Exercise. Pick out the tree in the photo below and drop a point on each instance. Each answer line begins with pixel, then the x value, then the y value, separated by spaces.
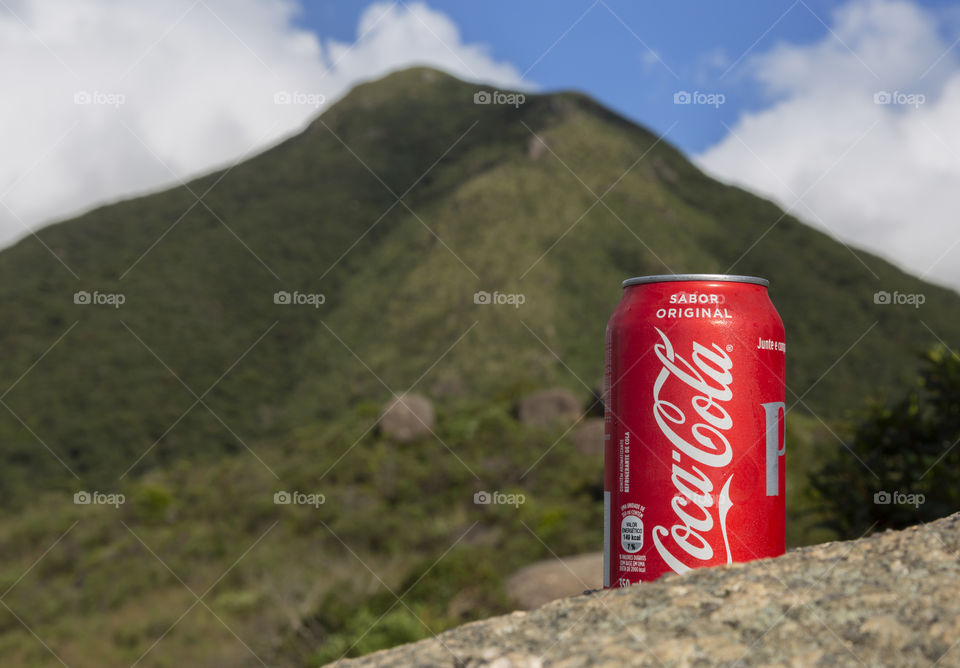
pixel 909 458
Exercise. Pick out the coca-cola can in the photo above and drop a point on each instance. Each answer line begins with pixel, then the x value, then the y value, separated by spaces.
pixel 694 400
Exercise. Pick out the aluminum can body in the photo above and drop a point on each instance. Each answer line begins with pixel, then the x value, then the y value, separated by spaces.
pixel 694 397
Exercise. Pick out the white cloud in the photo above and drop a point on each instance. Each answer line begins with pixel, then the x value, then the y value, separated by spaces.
pixel 881 176
pixel 180 86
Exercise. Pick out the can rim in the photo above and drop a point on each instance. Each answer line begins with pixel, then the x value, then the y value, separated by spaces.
pixel 668 278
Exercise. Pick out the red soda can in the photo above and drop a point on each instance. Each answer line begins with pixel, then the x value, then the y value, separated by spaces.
pixel 694 401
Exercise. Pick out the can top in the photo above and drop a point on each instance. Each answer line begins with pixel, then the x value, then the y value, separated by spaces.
pixel 665 278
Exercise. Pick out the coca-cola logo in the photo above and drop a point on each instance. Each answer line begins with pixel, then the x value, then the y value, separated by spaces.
pixel 698 443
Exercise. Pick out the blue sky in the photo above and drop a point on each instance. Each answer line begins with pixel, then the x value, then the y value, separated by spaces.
pixel 698 43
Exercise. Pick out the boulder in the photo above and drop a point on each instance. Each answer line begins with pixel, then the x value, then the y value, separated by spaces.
pixel 535 148
pixel 588 436
pixel 549 407
pixel 407 417
pixel 550 579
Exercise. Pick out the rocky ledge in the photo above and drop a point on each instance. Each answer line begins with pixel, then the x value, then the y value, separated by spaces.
pixel 890 599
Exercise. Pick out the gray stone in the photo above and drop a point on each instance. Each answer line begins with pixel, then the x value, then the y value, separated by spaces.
pixel 550 579
pixel 890 599
pixel 549 407
pixel 535 148
pixel 407 417
pixel 587 437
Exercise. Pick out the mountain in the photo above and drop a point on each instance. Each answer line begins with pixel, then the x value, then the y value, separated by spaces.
pixel 198 398
pixel 485 206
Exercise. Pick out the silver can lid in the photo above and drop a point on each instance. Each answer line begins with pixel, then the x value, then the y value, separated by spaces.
pixel 666 278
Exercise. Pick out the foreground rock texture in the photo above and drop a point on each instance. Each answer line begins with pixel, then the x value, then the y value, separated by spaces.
pixel 891 599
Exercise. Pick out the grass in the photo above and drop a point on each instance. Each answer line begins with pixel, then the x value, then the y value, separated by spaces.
pixel 302 585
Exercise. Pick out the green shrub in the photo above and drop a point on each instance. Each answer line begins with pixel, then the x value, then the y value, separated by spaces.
pixel 901 466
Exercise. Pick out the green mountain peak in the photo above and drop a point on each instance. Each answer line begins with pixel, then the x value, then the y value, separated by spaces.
pixel 398 205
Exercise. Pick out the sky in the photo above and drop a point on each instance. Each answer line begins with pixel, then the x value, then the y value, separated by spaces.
pixel 844 113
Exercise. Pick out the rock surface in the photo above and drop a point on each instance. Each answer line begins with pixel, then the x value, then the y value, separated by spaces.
pixel 891 599
pixel 549 407
pixel 407 417
pixel 551 579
